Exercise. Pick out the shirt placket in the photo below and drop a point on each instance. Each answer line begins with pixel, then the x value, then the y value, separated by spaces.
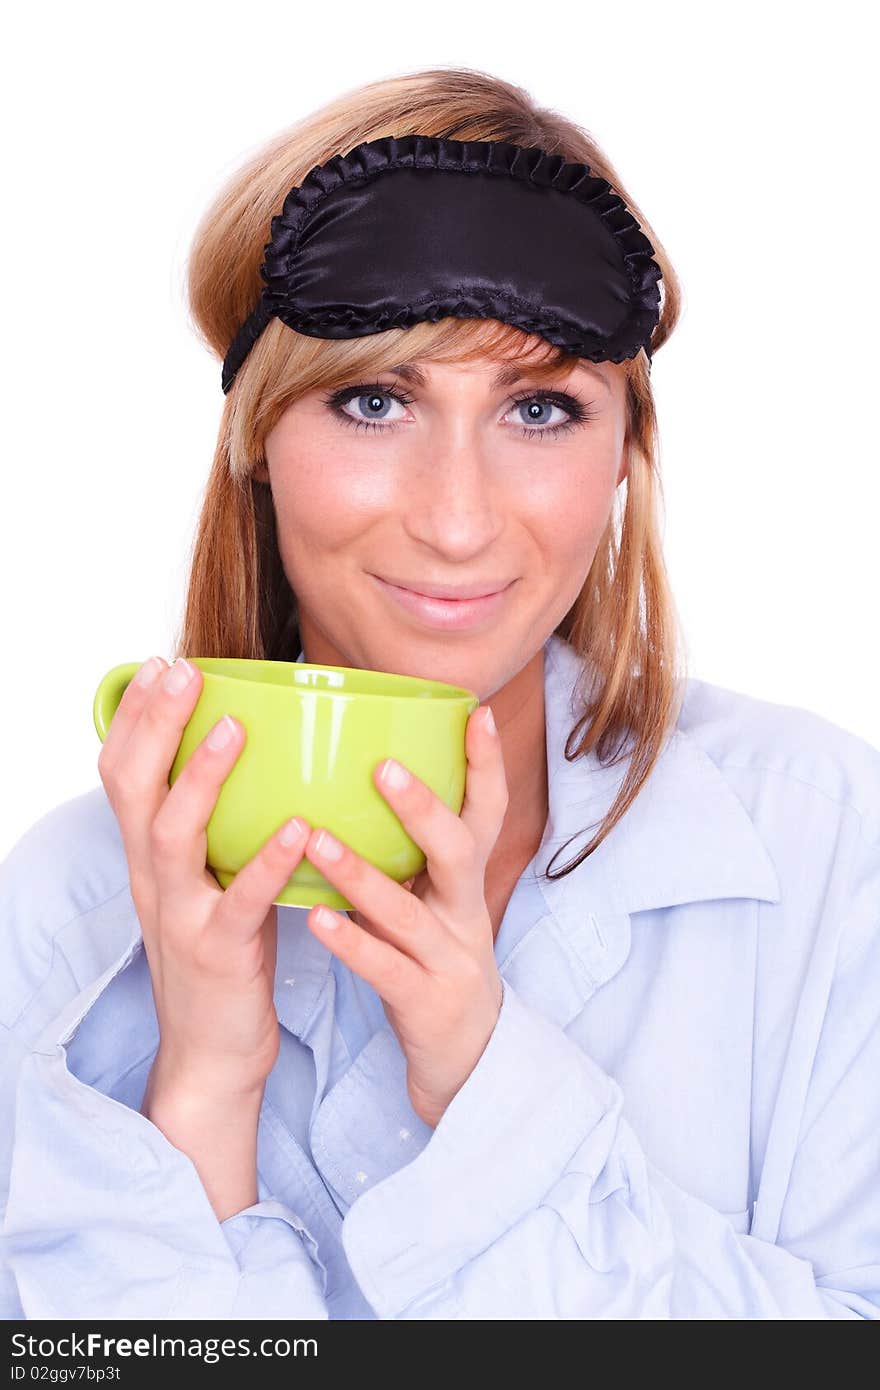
pixel 365 1128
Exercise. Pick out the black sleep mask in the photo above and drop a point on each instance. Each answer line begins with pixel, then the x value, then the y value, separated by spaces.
pixel 400 230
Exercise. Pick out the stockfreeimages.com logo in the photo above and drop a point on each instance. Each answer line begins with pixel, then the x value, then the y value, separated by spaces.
pixel 208 1349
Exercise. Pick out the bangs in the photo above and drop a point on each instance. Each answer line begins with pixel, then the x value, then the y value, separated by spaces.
pixel 286 364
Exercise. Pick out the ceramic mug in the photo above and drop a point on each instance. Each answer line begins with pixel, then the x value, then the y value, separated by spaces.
pixel 314 734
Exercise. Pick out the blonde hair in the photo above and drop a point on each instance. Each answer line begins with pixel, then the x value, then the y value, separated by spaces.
pixel 623 623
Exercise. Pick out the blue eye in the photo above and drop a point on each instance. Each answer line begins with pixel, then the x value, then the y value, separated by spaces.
pixel 539 413
pixel 375 406
pixel 369 397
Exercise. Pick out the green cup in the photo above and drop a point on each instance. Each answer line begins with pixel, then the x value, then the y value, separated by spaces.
pixel 314 734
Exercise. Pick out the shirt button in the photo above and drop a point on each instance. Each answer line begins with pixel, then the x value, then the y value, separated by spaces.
pixel 360 1177
pixel 291 980
pixel 404 1134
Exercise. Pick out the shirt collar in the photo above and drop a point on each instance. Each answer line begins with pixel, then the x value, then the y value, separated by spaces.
pixel 686 838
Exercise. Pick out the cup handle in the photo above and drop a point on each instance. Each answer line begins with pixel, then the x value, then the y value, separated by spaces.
pixel 109 693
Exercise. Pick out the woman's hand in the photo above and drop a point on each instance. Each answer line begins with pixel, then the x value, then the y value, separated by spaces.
pixel 211 952
pixel 430 952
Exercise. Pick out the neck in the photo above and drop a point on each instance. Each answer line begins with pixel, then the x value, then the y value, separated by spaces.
pixel 519 714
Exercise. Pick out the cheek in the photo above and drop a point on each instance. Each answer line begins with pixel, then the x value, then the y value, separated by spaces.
pixel 323 502
pixel 567 509
pixel 329 482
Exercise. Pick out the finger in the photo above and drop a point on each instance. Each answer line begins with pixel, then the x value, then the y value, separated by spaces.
pixel 247 902
pixel 399 915
pixel 178 835
pixel 393 974
pixel 365 922
pixel 138 783
pixel 134 698
pixel 456 860
pixel 486 792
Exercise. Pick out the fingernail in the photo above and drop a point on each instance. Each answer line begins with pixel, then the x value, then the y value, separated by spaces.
pixel 325 918
pixel 222 733
pixel 393 775
pixel 328 847
pixel 294 830
pixel 149 671
pixel 489 721
pixel 178 676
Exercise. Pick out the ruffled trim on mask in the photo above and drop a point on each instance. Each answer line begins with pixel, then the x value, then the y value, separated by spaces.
pixel 373 157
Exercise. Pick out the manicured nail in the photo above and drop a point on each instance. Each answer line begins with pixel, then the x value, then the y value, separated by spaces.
pixel 489 721
pixel 178 676
pixel 327 847
pixel 294 830
pixel 149 671
pixel 325 918
pixel 393 775
pixel 222 733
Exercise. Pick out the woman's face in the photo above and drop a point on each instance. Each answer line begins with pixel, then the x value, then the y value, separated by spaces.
pixel 445 475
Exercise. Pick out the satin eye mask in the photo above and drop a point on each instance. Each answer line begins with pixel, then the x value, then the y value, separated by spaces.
pixel 403 230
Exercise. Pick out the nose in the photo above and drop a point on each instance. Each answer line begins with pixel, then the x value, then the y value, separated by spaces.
pixel 453 498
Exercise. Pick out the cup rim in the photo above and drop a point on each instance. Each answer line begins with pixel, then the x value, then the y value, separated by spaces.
pixel 435 689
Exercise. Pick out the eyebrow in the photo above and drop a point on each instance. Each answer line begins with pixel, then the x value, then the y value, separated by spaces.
pixel 505 377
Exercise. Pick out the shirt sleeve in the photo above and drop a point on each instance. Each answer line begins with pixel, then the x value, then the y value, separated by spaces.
pixel 534 1198
pixel 267 1240
pixel 106 1218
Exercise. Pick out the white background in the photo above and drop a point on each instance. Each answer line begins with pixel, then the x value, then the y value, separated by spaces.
pixel 746 134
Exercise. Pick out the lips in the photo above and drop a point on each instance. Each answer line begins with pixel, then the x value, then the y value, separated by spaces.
pixel 450 615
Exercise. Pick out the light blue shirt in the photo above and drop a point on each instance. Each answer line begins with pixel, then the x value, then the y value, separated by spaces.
pixel 677 1115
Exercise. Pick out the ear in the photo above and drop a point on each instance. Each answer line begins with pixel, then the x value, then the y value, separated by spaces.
pixel 261 473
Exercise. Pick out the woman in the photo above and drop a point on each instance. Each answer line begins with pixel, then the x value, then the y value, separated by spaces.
pixel 642 1084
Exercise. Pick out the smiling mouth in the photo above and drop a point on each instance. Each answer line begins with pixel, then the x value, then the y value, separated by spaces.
pixel 445 614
